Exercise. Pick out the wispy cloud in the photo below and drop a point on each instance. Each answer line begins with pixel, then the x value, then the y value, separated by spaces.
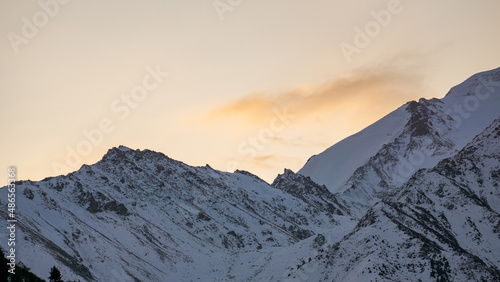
pixel 360 96
pixel 273 162
pixel 300 141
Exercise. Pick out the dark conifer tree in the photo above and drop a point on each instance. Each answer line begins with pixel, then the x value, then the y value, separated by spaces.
pixel 55 275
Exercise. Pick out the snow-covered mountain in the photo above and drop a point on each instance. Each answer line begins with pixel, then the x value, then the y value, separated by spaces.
pixel 142 215
pixel 367 165
pixel 442 225
pixel 414 196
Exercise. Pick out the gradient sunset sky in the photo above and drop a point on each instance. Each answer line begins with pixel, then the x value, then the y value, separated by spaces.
pixel 255 85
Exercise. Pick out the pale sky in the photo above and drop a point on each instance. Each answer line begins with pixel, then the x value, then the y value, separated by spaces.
pixel 255 85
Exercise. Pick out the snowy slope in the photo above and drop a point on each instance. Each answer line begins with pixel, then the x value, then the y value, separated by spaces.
pixel 366 167
pixel 335 165
pixel 444 225
pixel 143 216
pixel 457 118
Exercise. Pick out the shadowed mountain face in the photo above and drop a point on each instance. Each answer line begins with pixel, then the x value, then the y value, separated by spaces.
pixel 414 196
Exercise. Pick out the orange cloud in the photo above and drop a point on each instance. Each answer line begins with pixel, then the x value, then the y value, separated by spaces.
pixel 301 141
pixel 361 96
pixel 272 162
pixel 246 107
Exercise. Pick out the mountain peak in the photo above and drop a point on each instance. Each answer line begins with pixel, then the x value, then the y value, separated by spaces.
pixel 117 153
pixel 416 135
pixel 123 154
pixel 477 83
pixel 123 148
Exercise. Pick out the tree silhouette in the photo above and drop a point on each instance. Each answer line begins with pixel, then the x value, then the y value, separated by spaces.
pixel 55 275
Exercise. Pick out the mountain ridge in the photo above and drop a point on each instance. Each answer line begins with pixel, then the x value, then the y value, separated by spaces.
pixel 426 132
pixel 439 226
pixel 420 201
